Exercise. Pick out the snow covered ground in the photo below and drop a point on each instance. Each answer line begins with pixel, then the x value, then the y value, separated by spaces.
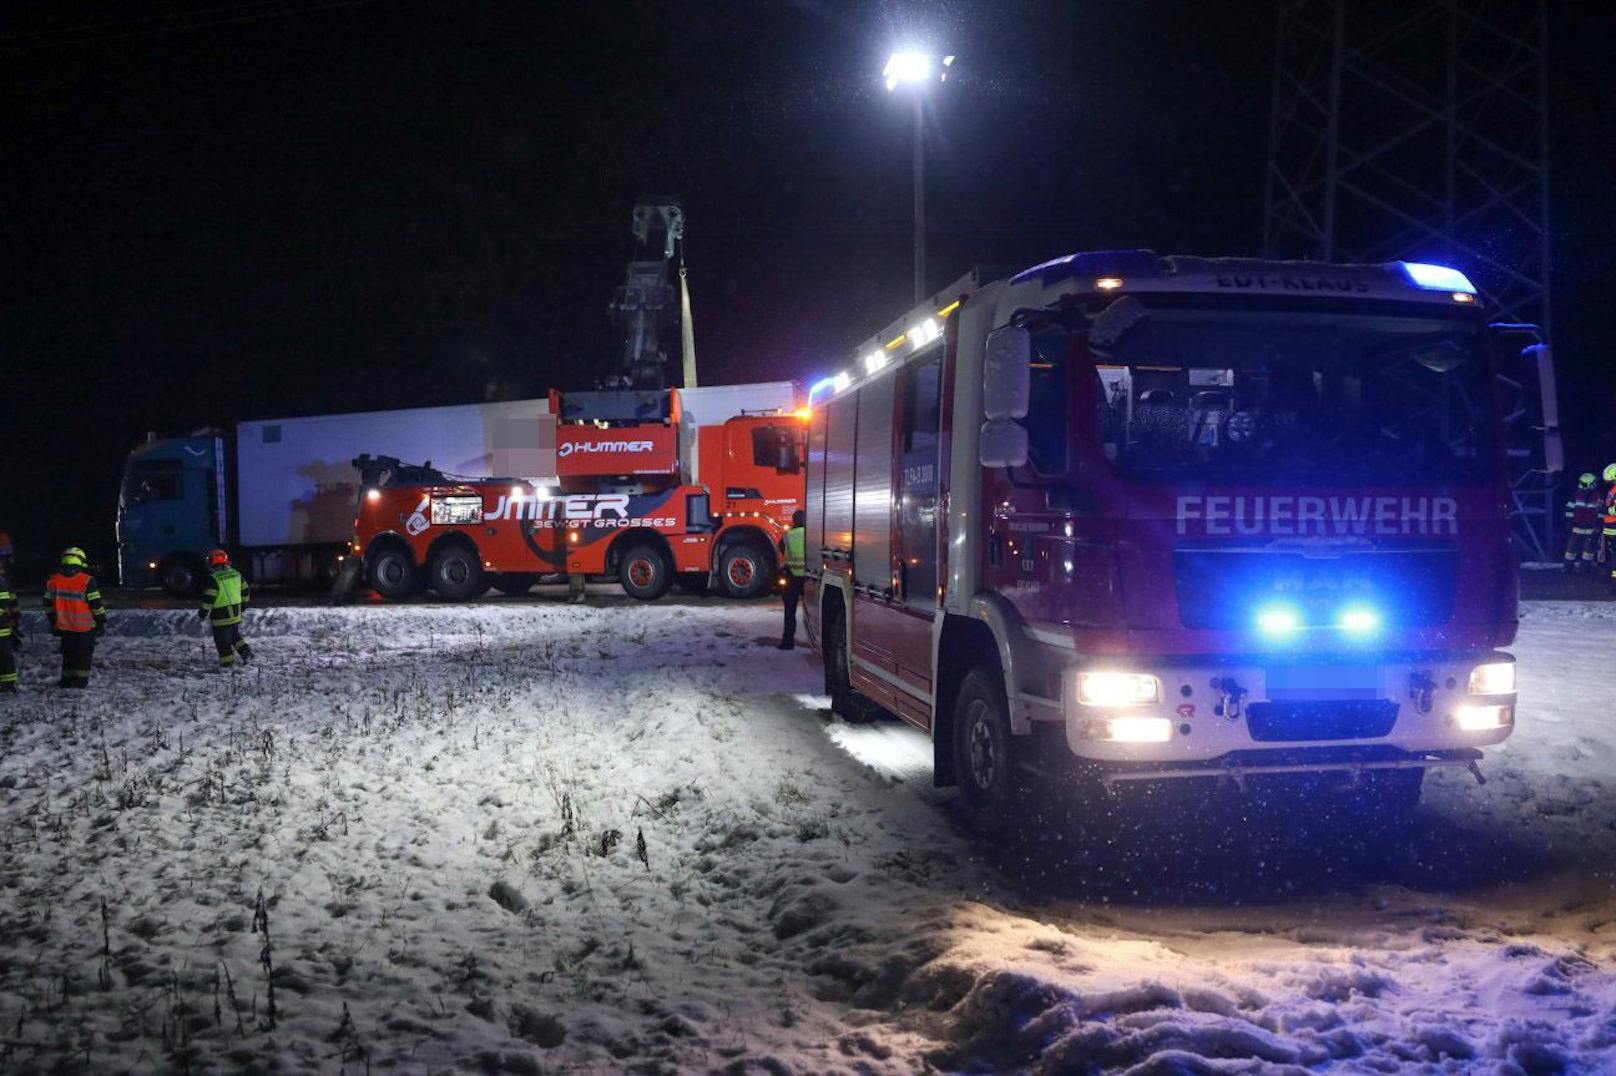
pixel 525 838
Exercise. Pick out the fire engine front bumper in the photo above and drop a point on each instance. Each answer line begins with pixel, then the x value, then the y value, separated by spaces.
pixel 1172 719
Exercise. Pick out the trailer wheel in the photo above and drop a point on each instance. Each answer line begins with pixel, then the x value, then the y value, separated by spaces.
pixel 746 570
pixel 645 572
pixel 984 751
pixel 392 573
pixel 456 574
pixel 181 576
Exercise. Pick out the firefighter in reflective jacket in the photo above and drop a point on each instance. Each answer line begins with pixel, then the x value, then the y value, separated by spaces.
pixel 1607 531
pixel 792 545
pixel 223 600
pixel 1583 512
pixel 73 607
pixel 10 638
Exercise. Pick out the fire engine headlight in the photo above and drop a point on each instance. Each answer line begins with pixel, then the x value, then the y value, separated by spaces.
pixel 1117 688
pixel 1129 729
pixel 1493 678
pixel 1483 718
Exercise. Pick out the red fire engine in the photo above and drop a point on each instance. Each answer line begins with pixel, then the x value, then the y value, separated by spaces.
pixel 632 501
pixel 1163 518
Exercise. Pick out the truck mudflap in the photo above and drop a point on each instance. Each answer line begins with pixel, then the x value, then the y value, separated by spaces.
pixel 1238 767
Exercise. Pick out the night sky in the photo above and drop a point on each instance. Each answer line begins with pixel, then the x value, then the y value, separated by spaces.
pixel 313 206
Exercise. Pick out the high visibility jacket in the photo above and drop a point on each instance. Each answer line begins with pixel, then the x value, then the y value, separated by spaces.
pixel 1583 510
pixel 793 544
pixel 225 597
pixel 1610 511
pixel 73 602
pixel 9 617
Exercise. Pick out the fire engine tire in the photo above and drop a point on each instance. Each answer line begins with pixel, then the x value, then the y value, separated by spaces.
pixel 514 584
pixel 456 575
pixel 844 701
pixel 645 572
pixel 984 750
pixel 180 576
pixel 393 575
pixel 746 570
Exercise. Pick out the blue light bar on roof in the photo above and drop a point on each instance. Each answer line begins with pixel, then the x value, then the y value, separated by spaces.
pixel 823 385
pixel 1437 277
pixel 1097 263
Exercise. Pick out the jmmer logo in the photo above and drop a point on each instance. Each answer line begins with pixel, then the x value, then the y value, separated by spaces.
pixel 591 448
pixel 574 507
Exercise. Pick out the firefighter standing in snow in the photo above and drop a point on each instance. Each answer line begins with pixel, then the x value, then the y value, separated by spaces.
pixel 10 639
pixel 1583 512
pixel 792 545
pixel 73 607
pixel 223 600
pixel 1607 531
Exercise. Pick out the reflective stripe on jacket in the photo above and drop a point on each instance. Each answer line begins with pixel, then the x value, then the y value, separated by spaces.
pixel 8 612
pixel 73 602
pixel 793 544
pixel 224 597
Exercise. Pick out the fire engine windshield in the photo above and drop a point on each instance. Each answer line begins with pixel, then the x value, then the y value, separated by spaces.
pixel 1261 396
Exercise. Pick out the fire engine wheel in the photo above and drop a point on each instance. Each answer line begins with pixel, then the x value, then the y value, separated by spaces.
pixel 844 701
pixel 392 574
pixel 745 570
pixel 984 755
pixel 456 575
pixel 645 572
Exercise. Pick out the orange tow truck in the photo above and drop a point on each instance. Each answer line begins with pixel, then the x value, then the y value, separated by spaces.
pixel 642 502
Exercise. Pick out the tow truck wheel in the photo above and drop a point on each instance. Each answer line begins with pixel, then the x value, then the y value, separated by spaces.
pixel 456 575
pixel 745 570
pixel 392 574
pixel 645 572
pixel 983 749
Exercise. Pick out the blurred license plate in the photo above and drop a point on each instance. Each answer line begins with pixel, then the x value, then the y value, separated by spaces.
pixel 1324 682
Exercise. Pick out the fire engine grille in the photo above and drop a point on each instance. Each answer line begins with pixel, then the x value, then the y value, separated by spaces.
pixel 1278 722
pixel 1408 587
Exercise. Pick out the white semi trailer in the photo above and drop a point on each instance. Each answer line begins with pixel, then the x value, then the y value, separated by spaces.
pixel 280 494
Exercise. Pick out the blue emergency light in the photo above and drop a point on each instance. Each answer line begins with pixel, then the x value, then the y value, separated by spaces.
pixel 1278 621
pixel 1358 620
pixel 1437 277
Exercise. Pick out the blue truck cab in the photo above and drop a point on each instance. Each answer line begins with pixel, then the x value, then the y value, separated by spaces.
pixel 171 511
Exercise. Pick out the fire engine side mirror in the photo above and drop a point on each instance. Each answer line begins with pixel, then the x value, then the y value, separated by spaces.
pixel 1007 374
pixel 1002 442
pixel 1553 446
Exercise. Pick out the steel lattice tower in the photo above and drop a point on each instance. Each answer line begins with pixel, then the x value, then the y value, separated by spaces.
pixel 1418 129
